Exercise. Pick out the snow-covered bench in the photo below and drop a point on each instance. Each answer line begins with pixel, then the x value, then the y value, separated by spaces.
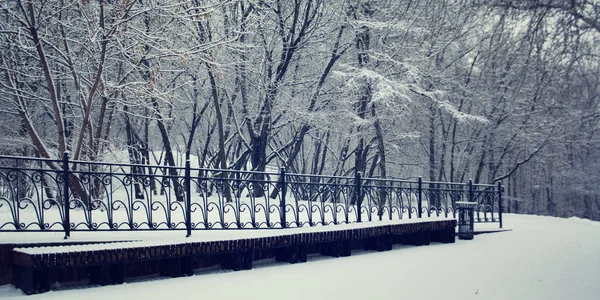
pixel 37 268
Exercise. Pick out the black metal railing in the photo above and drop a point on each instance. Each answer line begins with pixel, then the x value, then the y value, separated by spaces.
pixel 63 195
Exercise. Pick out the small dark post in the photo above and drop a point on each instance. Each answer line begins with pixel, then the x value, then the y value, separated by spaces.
pixel 420 197
pixel 283 192
pixel 358 193
pixel 67 218
pixel 188 198
pixel 500 202
pixel 465 219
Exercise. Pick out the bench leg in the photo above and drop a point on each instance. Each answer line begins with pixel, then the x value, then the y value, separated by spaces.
pixel 248 258
pixel 302 253
pixel 41 281
pixel 445 236
pixel 435 236
pixel 237 261
pixel 329 249
pixel 23 279
pixel 346 248
pixel 342 248
pixel 449 236
pixel 380 243
pixel 187 265
pixel 425 238
pixel 417 239
pixel 117 273
pixel 292 254
pixel 171 267
pixel 100 275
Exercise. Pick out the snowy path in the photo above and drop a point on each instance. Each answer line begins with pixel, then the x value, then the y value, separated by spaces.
pixel 542 258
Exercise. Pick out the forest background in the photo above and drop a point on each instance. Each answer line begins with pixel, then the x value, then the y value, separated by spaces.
pixel 450 90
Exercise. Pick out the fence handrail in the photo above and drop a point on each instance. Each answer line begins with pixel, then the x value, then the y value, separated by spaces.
pixel 217 170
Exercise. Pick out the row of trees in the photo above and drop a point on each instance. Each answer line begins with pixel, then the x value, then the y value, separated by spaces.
pixel 451 89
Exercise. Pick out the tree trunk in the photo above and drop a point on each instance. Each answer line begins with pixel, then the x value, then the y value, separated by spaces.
pixel 220 134
pixel 169 158
pixel 433 196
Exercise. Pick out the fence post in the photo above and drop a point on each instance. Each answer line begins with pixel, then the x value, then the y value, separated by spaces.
pixel 358 193
pixel 188 198
pixel 66 212
pixel 500 202
pixel 283 191
pixel 420 198
pixel 470 190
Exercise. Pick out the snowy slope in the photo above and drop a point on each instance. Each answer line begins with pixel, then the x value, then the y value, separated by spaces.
pixel 542 258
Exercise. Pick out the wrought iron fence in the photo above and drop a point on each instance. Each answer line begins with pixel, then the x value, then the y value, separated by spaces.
pixel 63 195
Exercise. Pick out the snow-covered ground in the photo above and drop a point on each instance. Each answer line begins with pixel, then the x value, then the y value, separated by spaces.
pixel 541 258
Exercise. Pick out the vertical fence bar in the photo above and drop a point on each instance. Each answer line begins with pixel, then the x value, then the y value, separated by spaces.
pixel 16 197
pixel 380 197
pixel 334 201
pixel 130 199
pixel 500 202
pixel 110 199
pixel 420 197
pixel 42 196
pixel 447 193
pixel 283 191
pixel 296 192
pixel 472 197
pixel 358 193
pixel 470 190
pixel 67 216
pixel 188 198
pixel 389 197
pixel 408 198
pixel 203 183
pixel 88 209
pixel 489 196
pixel 321 192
